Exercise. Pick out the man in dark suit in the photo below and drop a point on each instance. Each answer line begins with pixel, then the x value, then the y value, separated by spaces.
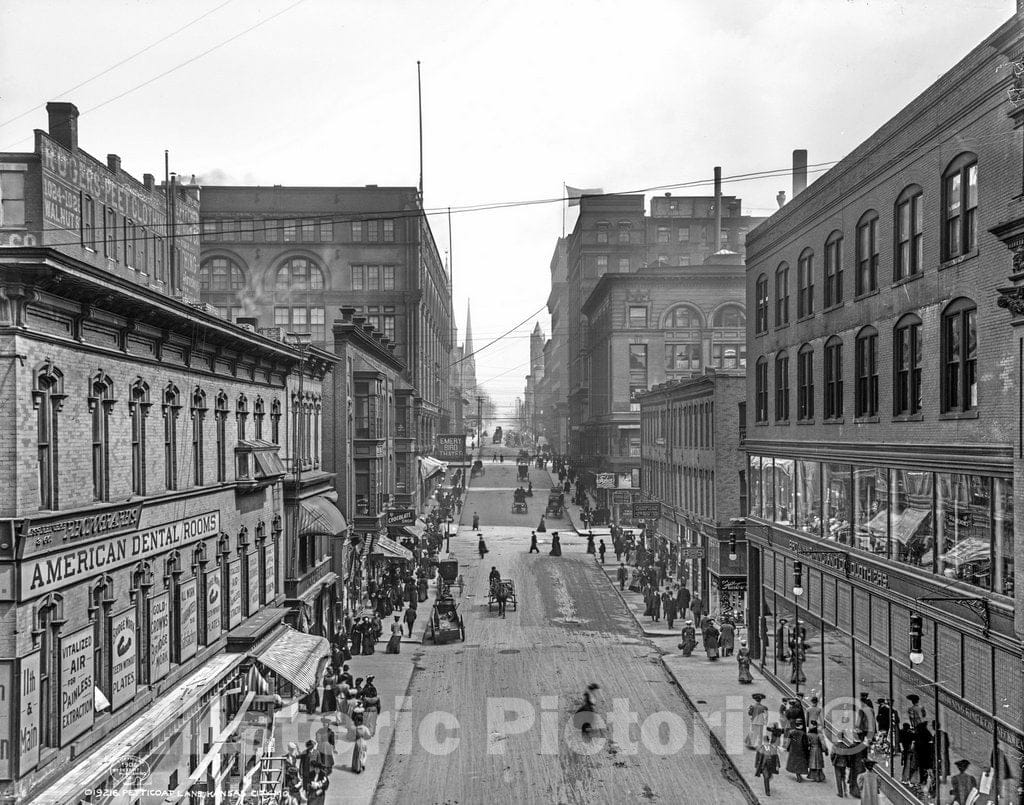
pixel 311 760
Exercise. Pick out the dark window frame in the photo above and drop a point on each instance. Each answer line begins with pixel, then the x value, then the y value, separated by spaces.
pixel 866 373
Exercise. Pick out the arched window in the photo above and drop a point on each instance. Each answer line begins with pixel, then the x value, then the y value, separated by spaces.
pixel 171 408
pixel 867 253
pixel 299 274
pixel 761 389
pixel 48 622
pixel 172 578
pixel 729 316
pixel 198 415
pixel 139 589
pixel 101 403
pixel 221 274
pixel 805 284
pixel 761 305
pixel 782 295
pixel 866 370
pixel 833 270
pixel 242 415
pixel 683 347
pixel 960 206
pixel 221 417
pixel 138 410
pixel 683 317
pixel 960 357
pixel 906 392
pixel 47 398
pixel 805 383
pixel 782 387
pixel 729 338
pixel 259 413
pixel 101 602
pixel 909 228
pixel 833 376
pixel 275 421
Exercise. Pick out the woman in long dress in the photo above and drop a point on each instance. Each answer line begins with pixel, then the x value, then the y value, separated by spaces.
pixel 395 641
pixel 758 721
pixel 743 663
pixel 797 748
pixel 329 702
pixel 816 753
pixel 711 641
pixel 867 780
pixel 556 544
pixel 688 639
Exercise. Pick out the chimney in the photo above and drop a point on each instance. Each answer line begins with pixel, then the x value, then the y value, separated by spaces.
pixel 113 163
pixel 63 123
pixel 799 171
pixel 718 209
pixel 247 321
pixel 148 181
pixel 780 197
pixel 347 313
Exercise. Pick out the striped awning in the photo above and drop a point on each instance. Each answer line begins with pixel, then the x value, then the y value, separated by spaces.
pixel 317 515
pixel 390 549
pixel 298 657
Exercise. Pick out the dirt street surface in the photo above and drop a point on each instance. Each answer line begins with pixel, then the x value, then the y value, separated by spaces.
pixel 459 741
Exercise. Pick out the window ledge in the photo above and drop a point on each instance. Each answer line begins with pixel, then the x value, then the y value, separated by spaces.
pixel 805 422
pixel 866 420
pixel 782 326
pixel 760 333
pixel 960 415
pixel 782 422
pixel 836 421
pixel 830 308
pixel 762 422
pixel 805 317
pixel 865 295
pixel 955 261
pixel 908 418
pixel 907 279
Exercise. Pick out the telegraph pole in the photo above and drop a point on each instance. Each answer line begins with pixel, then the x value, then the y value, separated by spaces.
pixel 480 425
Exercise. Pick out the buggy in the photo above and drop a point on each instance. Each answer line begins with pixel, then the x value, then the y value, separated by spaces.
pixel 524 471
pixel 509 587
pixel 477 469
pixel 445 622
pixel 556 503
pixel 519 502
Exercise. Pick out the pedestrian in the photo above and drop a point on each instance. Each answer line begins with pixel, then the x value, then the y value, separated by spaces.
pixel 371 704
pixel 817 751
pixel 758 715
pixel 617 546
pixel 688 639
pixel 797 747
pixel 766 761
pixel 556 545
pixel 541 528
pixel 668 603
pixel 728 636
pixel 325 742
pixel 476 521
pixel 311 760
pixel 622 574
pixel 395 641
pixel 655 604
pixel 812 713
pixel 682 600
pixel 601 549
pixel 410 618
pixel 533 542
pixel 916 714
pixel 743 664
pixel 481 546
pixel 318 786
pixel 697 606
pixel 840 762
pixel 867 782
pixel 292 772
pixel 711 638
pixel 591 549
pixel 962 784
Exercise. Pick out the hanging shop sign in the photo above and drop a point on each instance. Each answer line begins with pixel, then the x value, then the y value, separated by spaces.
pixel 188 619
pixel 253 570
pixel 77 707
pixel 123 658
pixel 234 593
pixel 28 713
pixel 732 585
pixel 395 518
pixel 621 498
pixel 270 565
pixel 646 509
pixel 45 534
pixel 6 718
pixel 53 571
pixel 159 636
pixel 605 480
pixel 451 447
pixel 214 605
pixel 691 553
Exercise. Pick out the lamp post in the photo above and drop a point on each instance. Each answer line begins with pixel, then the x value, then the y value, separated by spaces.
pixel 798 641
pixel 302 341
pixel 447 534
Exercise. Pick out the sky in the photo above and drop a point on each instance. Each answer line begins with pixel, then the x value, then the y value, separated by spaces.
pixel 519 96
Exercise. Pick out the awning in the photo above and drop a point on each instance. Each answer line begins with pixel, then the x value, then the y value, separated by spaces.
pixel 429 467
pixel 972 549
pixel 391 549
pixel 296 656
pixel 908 523
pixel 317 515
pixel 414 530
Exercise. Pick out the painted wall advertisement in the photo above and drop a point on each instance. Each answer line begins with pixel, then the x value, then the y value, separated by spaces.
pixel 124 658
pixel 270 564
pixel 213 605
pixel 159 636
pixel 188 618
pixel 253 569
pixel 76 684
pixel 28 713
pixel 234 593
pixel 6 718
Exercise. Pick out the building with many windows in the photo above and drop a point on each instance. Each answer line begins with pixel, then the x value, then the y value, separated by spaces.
pixel 291 257
pixel 144 543
pixel 885 419
pixel 555 381
pixel 692 464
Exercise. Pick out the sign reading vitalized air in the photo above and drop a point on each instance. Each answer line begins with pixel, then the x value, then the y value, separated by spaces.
pixel 51 572
pixel 451 447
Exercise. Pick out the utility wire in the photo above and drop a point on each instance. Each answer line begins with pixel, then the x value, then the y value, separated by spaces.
pixel 496 340
pixel 123 61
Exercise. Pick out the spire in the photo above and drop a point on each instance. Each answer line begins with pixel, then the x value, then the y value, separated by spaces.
pixel 468 339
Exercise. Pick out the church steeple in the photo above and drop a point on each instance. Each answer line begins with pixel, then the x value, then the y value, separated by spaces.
pixel 469 362
pixel 468 339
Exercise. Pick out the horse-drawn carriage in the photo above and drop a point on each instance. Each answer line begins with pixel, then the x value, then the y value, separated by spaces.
pixel 523 470
pixel 445 622
pixel 556 502
pixel 477 469
pixel 519 501
pixel 499 588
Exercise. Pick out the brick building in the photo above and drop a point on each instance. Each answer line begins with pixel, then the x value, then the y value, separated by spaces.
pixel 691 462
pixel 884 414
pixel 555 381
pixel 656 324
pixel 292 256
pixel 142 534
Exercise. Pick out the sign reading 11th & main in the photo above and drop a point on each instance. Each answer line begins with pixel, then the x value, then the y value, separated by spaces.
pixel 41 574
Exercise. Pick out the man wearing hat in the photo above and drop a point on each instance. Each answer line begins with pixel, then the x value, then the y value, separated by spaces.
pixel 962 784
pixel 758 714
pixel 766 761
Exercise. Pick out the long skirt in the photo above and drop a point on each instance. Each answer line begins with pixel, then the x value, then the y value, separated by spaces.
pixel 359 756
pixel 394 644
pixel 755 736
pixel 712 652
pixel 745 678
pixel 369 642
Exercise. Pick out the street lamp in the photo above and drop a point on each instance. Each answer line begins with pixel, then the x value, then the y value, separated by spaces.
pixel 302 341
pixel 798 640
pixel 447 534
pixel 732 546
pixel 798 578
pixel 916 630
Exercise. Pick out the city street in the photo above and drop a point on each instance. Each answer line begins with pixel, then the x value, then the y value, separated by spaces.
pixel 570 629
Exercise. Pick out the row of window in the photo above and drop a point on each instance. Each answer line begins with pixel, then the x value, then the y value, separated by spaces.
pixel 958 237
pixel 295 230
pixel 687 317
pixel 958 352
pixel 120 239
pixel 691 489
pixel 48 398
pixel 222 274
pixel 686 425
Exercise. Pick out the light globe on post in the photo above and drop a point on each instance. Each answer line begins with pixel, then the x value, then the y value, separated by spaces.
pixel 732 546
pixel 798 578
pixel 916 655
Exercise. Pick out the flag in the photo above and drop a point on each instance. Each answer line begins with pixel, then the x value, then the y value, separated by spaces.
pixel 574 193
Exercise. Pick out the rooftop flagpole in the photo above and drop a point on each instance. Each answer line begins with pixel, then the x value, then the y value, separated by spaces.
pixel 419 94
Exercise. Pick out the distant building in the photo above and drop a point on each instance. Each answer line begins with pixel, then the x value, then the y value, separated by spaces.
pixel 555 382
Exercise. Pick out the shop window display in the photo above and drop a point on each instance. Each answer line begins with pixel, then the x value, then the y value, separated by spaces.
pixel 837 676
pixel 836 482
pixel 1006 767
pixel 808 497
pixel 872 689
pixel 755 486
pixel 912 530
pixel 963 525
pixel 962 734
pixel 768 485
pixel 871 509
pixel 1002 509
pixel 783 486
